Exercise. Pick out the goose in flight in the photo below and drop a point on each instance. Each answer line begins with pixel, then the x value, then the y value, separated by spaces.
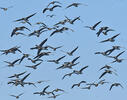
pixel 78 84
pixel 11 50
pixel 115 84
pixel 116 57
pixel 11 64
pixel 71 52
pixel 17 75
pixel 43 92
pixel 53 2
pixel 34 66
pixel 23 57
pixel 112 39
pixel 107 72
pixel 80 71
pixel 94 26
pixel 17 97
pixel 57 60
pixel 14 32
pixel 35 60
pixel 25 19
pixel 101 30
pixel 40 46
pixel 5 9
pixel 51 9
pixel 75 5
pixel 54 48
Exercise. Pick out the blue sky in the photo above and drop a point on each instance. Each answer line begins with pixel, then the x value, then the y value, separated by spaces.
pixel 112 13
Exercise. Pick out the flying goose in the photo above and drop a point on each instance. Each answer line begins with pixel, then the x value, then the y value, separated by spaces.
pixel 26 19
pixel 94 26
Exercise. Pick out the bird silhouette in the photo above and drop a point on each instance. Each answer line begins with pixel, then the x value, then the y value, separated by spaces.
pixel 112 39
pixel 53 2
pixel 25 19
pixel 115 84
pixel 78 84
pixel 17 75
pixel 106 72
pixel 94 26
pixel 14 32
pixel 57 60
pixel 11 64
pixel 43 92
pixel 75 5
pixel 80 71
pixel 71 52
pixel 34 66
pixel 51 9
pixel 5 9
pixel 17 97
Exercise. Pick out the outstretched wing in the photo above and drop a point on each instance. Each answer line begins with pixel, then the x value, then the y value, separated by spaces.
pixel 44 10
pixel 99 32
pixel 115 36
pixel 46 88
pixel 13 95
pixel 55 6
pixel 20 94
pixel 60 58
pixel 69 6
pixel 69 74
pixel 42 43
pixel 74 50
pixel 30 16
pixel 83 68
pixel 25 77
pixel 120 53
pixel 102 75
pixel 104 40
pixel 97 24
pixel 111 87
pixel 74 85
pixel 75 59
pixel 15 61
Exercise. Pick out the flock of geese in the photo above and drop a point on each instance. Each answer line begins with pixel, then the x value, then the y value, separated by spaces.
pixel 42 49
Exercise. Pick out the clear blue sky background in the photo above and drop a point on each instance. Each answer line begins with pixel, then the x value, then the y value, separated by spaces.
pixel 112 13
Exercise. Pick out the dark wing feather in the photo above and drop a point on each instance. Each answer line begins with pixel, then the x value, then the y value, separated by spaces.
pixel 55 6
pixel 45 10
pixel 20 94
pixel 120 53
pixel 97 24
pixel 54 32
pixel 42 43
pixel 75 59
pixel 25 77
pixel 30 16
pixel 115 36
pixel 74 85
pixel 38 64
pixel 104 40
pixel 83 68
pixel 99 32
pixel 19 20
pixel 111 87
pixel 21 59
pixel 46 88
pixel 22 73
pixel 15 61
pixel 74 50
pixel 102 75
pixel 60 58
pixel 69 6
pixel 60 67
